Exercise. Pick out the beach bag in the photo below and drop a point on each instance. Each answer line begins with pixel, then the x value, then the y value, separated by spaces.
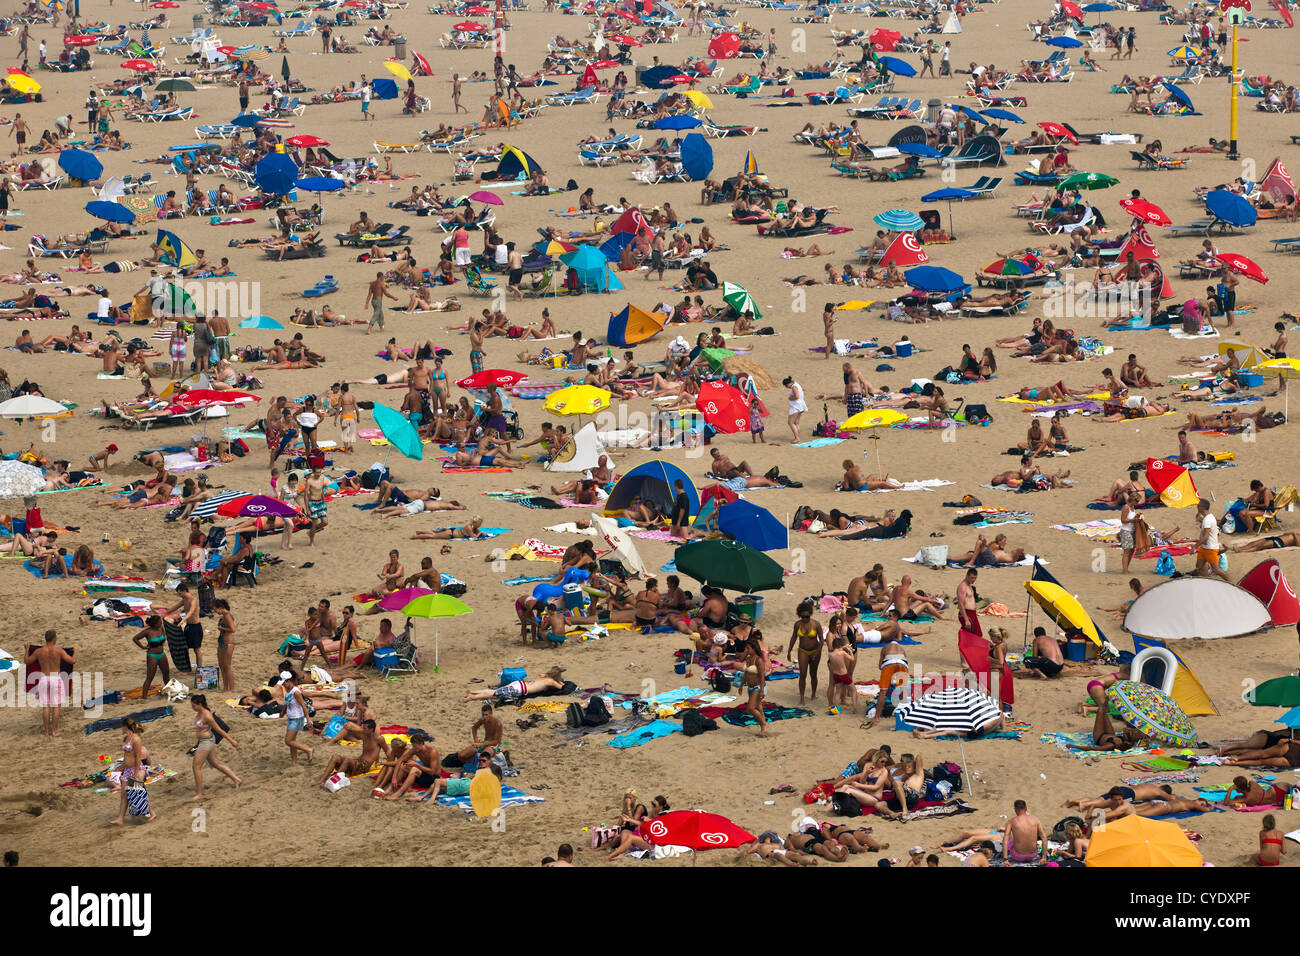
pixel 515 331
pixel 846 805
pixel 819 792
pixel 137 799
pixel 206 676
pixel 949 773
pixel 602 835
pixel 1058 832
pixel 573 715
pixel 720 681
pixel 1164 564
pixel 597 713
pixel 978 414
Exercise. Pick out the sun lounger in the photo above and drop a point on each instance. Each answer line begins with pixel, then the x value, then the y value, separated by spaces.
pixel 1197 225
pixel 1147 161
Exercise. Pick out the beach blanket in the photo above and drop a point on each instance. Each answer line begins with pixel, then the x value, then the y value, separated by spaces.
pixel 529 499
pixel 1168 776
pixel 33 567
pixel 924 484
pixel 929 809
pixel 97 483
pixel 819 442
pixel 510 797
pixel 959 564
pixel 641 735
pixel 531 579
pixel 1160 764
pixel 738 716
pixel 1068 742
pixel 452 469
pixel 140 717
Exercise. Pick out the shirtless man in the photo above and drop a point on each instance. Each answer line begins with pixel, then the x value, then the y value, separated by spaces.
pixel 315 507
pixel 840 661
pixel 517 690
pixel 1133 374
pixel 420 767
pixel 493 733
pixel 371 745
pixel 723 467
pixel 376 292
pixel 186 614
pixel 906 600
pixel 966 598
pixel 908 783
pixel 1115 797
pixel 1046 661
pixel 1023 836
pixel 427 577
pixel 50 689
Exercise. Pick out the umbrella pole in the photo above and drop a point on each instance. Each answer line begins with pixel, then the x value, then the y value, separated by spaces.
pixel 961 743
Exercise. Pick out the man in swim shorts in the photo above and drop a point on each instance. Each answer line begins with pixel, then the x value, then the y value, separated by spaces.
pixel 1024 835
pixel 51 693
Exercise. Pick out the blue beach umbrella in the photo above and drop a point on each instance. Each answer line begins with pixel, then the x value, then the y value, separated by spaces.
pixel 246 120
pixel 697 156
pixel 1002 114
pixel 319 185
pixel 80 164
pixel 1232 208
pixel 754 526
pixel 900 67
pixel 1178 93
pixel 110 211
pixel 948 194
pixel 657 77
pixel 260 322
pixel 275 173
pixel 680 121
pixel 399 431
pixel 973 114
pixel 898 220
pixel 613 246
pixel 919 149
pixel 1065 43
pixel 1099 8
pixel 934 279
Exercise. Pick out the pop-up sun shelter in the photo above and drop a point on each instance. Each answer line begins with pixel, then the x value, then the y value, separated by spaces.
pixel 1268 583
pixel 634 325
pixel 653 481
pixel 1195 607
pixel 1160 666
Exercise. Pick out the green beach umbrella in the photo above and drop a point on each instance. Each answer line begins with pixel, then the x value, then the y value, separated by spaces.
pixel 715 357
pixel 436 606
pixel 1278 692
pixel 399 431
pixel 175 84
pixel 729 565
pixel 1088 181
pixel 284 69
pixel 739 299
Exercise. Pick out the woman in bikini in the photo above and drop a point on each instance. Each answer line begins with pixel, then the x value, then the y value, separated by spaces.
pixel 468 532
pixel 205 751
pixel 868 786
pixel 810 638
pixel 225 642
pixel 132 764
pixel 1104 737
pixel 755 677
pixel 1271 844
pixel 153 642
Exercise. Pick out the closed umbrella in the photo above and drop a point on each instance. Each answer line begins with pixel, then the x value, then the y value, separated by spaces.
pixel 20 480
pixel 1135 841
pixel 725 407
pixel 80 164
pixel 285 72
pixel 110 211
pixel 1152 712
pixel 757 527
pixel 729 565
pixel 697 156
pixel 898 220
pixel 738 297
pixel 399 431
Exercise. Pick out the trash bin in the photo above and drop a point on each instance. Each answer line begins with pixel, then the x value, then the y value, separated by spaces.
pixel 932 109
pixel 399 48
pixel 198 22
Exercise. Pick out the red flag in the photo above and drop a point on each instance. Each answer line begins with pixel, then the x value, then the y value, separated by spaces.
pixel 904 251
pixel 1277 182
pixel 1139 242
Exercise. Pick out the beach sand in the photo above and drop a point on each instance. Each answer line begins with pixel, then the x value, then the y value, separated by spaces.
pixel 277 816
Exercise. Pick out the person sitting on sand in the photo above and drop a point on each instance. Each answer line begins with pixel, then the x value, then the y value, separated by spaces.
pixel 1104 737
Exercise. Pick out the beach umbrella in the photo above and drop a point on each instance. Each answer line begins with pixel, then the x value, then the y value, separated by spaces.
pixel 502 378
pixel 627 15
pixel 681 79
pixel 436 606
pixel 246 120
pixel 624 40
pixel 285 73
pixel 757 527
pixel 934 279
pixel 398 70
pixel 924 150
pixel 81 39
pixel 260 322
pixel 469 26
pixel 177 302
pixel 1230 207
pixel 874 419
pixel 20 480
pixel 898 220
pixel 484 196
pixel 1063 608
pixel 396 600
pixel 697 156
pixel 965 110
pixel 1291 719
pixel 1002 114
pixel 307 139
pixel 1152 712
pixel 678 121
pixel 80 164
pixel 1071 9
pixel 738 297
pixel 1008 266
pixel 1243 266
pixel 578 399
pixel 275 173
pixel 884 41
pixel 724 46
pixel 31 406
pixel 948 194
pixel 699 100
pixel 1099 8
pixel 658 77
pixel 555 247
pixel 140 66
pixel 1185 52
pixel 613 246
pixel 399 431
pixel 257 506
pixel 202 397
pixel 695 830
pixel 729 565
pixel 1065 43
pixel 1087 181
pixel 1179 95
pixel 1277 692
pixel 20 82
pixel 175 84
pixel 1136 841
pixel 319 185
pixel 894 65
pixel 110 211
pixel 1059 131
pixel 960 709
pixel 1147 211
pixel 725 407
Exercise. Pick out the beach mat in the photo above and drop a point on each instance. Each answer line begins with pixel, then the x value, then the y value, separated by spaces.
pixel 141 717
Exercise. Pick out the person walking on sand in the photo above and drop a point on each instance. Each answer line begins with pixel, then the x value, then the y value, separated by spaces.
pixel 455 95
pixel 295 713
pixel 797 405
pixel 828 327
pixel 205 751
pixel 132 765
pixel 755 678
pixel 376 292
pixel 51 691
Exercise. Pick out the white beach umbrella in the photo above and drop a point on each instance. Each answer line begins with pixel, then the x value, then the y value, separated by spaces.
pixel 20 480
pixel 30 406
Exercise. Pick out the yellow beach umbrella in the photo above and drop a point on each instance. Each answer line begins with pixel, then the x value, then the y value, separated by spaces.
pixel 22 83
pixel 1247 355
pixel 399 71
pixel 1288 367
pixel 874 418
pixel 854 305
pixel 699 100
pixel 1063 607
pixel 1136 841
pixel 577 400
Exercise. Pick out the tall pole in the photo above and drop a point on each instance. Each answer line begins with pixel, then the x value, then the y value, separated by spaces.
pixel 1232 102
pixel 499 33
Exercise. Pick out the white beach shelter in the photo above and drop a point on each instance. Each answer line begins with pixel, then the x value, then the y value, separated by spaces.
pixel 952 24
pixel 623 548
pixel 581 452
pixel 1196 607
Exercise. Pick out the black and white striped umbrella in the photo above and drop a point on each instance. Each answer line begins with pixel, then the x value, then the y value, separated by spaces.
pixel 206 509
pixel 956 708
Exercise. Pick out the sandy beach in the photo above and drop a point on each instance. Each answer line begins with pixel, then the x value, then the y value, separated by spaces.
pixel 277 814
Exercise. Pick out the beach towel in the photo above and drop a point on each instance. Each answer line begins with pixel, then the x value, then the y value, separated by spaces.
pixel 533 579
pixel 667 698
pixel 819 442
pixel 177 646
pixel 738 716
pixel 641 735
pixel 1168 776
pixel 141 717
pixel 1067 742
pixel 510 797
pixel 33 567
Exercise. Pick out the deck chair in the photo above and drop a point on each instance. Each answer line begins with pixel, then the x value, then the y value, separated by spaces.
pixel 544 285
pixel 245 571
pixel 477 284
pixel 985 186
pixel 403 660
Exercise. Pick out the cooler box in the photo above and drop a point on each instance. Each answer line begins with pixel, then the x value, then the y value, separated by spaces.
pixel 903 349
pixel 751 604
pixel 1250 379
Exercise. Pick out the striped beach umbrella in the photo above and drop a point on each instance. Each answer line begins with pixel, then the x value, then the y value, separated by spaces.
pixel 898 220
pixel 958 709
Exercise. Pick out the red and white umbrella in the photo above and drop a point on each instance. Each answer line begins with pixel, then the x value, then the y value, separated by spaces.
pixel 83 39
pixel 163 5
pixel 681 79
pixel 626 15
pixel 1243 266
pixel 477 10
pixel 1072 9
pixel 724 46
pixel 605 64
pixel 725 407
pixel 203 397
pixel 469 26
pixel 623 39
pixel 492 376
pixel 696 830
pixel 227 50
pixel 139 66
pixel 884 41
pixel 1144 209
pixel 1059 131
pixel 306 139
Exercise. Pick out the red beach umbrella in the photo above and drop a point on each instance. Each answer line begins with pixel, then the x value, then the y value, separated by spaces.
pixel 306 139
pixel 492 376
pixel 725 407
pixel 1145 210
pixel 1059 131
pixel 1243 266
pixel 724 46
pixel 695 829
